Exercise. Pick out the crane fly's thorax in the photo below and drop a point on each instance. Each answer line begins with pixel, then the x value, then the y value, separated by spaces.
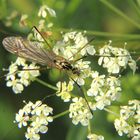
pixel 62 63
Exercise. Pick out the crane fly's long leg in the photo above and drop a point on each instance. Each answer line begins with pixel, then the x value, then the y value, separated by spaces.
pixel 34 27
pixel 83 95
pixel 60 81
pixel 44 68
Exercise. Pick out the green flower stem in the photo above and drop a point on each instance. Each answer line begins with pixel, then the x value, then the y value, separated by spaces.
pixel 89 127
pixel 45 84
pixel 105 34
pixel 120 13
pixel 109 111
pixel 85 92
pixel 61 114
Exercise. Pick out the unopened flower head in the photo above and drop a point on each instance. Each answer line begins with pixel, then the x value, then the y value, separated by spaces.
pixel 23 20
pixel 17 79
pixel 79 111
pixel 64 90
pixel 129 121
pixel 35 117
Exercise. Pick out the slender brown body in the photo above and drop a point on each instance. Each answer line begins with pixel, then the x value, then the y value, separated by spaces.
pixel 35 52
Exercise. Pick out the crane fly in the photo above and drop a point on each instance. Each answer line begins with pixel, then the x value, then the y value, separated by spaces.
pixel 35 52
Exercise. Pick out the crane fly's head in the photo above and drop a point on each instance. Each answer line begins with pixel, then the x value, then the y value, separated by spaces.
pixel 76 71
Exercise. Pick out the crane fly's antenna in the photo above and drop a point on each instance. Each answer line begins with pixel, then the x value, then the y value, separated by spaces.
pixel 82 48
pixel 80 58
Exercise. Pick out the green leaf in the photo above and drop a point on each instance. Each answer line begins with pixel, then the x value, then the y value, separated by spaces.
pixel 8 129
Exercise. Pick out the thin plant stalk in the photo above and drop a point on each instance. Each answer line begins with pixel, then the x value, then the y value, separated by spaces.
pixel 120 13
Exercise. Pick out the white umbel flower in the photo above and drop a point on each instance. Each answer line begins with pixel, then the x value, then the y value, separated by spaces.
pixel 125 125
pixel 16 85
pixel 85 71
pixel 79 111
pixel 92 136
pixel 17 79
pixel 36 117
pixel 31 135
pixel 64 90
pixel 104 90
pixel 121 126
pixel 71 43
pixel 44 10
pixel 115 59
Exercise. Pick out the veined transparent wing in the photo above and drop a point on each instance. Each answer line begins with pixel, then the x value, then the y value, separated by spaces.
pixel 30 50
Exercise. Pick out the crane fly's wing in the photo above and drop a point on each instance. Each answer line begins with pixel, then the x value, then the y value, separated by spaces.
pixel 31 51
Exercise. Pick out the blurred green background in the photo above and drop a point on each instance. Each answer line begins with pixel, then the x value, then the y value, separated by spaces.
pixel 100 19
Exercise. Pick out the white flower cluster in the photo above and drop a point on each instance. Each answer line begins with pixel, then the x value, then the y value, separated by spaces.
pixel 129 121
pixel 72 42
pixel 85 71
pixel 68 48
pixel 36 117
pixel 17 79
pixel 115 59
pixel 35 36
pixel 44 10
pixel 79 111
pixel 64 90
pixel 95 137
pixel 104 90
pixel 44 13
